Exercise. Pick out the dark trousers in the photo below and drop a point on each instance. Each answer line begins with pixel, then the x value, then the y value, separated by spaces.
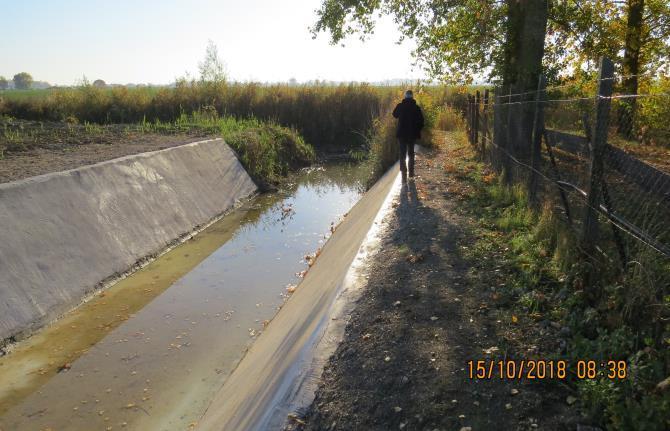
pixel 406 149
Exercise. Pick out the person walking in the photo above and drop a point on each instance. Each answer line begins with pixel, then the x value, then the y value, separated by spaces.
pixel 410 123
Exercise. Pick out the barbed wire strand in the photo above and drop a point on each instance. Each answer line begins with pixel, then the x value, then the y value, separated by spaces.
pixel 556 87
pixel 618 222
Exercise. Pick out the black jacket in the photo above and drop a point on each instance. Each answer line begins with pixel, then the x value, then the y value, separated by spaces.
pixel 410 119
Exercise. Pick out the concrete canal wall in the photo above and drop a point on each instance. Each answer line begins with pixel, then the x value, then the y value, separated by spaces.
pixel 62 235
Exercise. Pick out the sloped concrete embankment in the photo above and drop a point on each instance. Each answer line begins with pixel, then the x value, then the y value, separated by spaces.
pixel 278 372
pixel 62 235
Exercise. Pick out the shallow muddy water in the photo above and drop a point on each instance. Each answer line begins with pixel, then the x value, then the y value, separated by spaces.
pixel 150 352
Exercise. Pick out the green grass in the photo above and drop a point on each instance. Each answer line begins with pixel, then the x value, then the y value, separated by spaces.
pixel 17 95
pixel 545 281
pixel 267 150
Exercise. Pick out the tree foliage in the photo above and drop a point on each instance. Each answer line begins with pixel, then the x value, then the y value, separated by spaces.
pixel 581 31
pixel 99 83
pixel 4 84
pixel 455 40
pixel 459 40
pixel 212 68
pixel 23 81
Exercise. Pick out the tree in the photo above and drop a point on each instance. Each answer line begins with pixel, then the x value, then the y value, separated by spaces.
pixel 459 40
pixel 455 40
pixel 99 83
pixel 523 64
pixel 4 84
pixel 580 32
pixel 635 34
pixel 646 46
pixel 212 68
pixel 23 81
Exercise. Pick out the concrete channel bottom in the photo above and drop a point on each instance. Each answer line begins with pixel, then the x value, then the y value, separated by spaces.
pixel 280 371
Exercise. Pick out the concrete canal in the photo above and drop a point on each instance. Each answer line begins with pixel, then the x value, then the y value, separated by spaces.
pixel 152 351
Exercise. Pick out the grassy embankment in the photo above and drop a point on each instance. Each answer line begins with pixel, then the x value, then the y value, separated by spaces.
pixel 544 285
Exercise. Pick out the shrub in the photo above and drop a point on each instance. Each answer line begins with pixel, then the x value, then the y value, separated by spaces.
pixel 269 151
pixel 383 146
pixel 653 113
pixel 449 119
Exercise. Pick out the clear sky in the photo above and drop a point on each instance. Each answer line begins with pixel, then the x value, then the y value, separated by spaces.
pixel 152 41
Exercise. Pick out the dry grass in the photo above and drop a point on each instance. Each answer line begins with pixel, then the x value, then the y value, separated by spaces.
pixel 326 116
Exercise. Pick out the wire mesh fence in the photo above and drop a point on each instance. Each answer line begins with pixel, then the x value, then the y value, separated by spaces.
pixel 598 157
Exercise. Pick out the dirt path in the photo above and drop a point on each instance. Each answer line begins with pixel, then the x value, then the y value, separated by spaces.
pixel 425 313
pixel 29 148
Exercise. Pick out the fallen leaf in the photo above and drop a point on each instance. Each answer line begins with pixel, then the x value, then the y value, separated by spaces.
pixel 663 385
pixel 415 258
pixel 294 418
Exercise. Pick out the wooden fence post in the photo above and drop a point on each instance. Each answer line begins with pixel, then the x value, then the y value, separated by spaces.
pixel 557 175
pixel 485 123
pixel 603 104
pixel 536 148
pixel 469 120
pixel 505 150
pixel 472 119
pixel 476 120
pixel 497 128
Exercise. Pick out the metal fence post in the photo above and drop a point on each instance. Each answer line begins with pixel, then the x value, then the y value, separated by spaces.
pixel 603 104
pixel 536 148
